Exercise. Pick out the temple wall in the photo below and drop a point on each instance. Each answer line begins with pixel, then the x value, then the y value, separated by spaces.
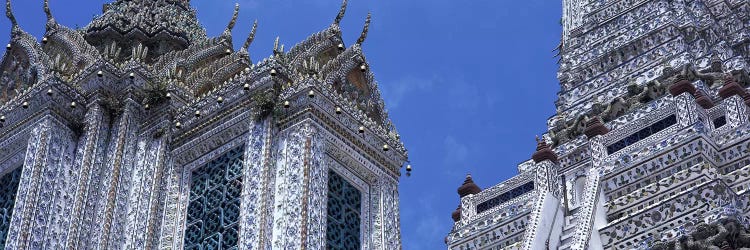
pixel 123 133
pixel 48 167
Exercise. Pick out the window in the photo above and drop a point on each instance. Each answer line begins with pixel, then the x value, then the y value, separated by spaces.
pixel 500 199
pixel 721 121
pixel 642 134
pixel 214 208
pixel 8 187
pixel 344 204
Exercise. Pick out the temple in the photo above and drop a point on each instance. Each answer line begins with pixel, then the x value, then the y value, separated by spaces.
pixel 138 131
pixel 650 144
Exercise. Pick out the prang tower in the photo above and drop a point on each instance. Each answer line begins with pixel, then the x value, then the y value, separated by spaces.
pixel 138 131
pixel 650 144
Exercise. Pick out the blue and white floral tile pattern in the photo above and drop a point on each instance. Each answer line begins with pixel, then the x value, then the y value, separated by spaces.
pixel 48 166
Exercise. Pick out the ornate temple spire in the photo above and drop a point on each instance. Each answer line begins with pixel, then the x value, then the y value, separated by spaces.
pixel 145 19
pixel 251 37
pixel 9 14
pixel 342 11
pixel 365 29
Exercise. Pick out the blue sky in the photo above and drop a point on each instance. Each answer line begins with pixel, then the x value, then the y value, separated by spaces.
pixel 467 83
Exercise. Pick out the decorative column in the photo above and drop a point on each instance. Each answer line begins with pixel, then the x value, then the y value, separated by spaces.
pixel 48 177
pixel 545 178
pixel 111 180
pixel 468 209
pixel 256 178
pixel 298 216
pixel 125 160
pixel 546 218
pixel 169 235
pixel 587 210
pixel 94 134
pixel 687 110
pixel 143 195
pixel 732 93
pixel 391 214
pixel 685 101
pixel 315 200
pixel 378 216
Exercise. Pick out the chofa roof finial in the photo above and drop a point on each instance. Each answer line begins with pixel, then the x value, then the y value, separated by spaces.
pixel 366 29
pixel 340 16
pixel 9 13
pixel 251 37
pixel 51 22
pixel 232 22
pixel 47 10
pixel 276 48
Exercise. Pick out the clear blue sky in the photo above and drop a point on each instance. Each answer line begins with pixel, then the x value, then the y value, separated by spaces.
pixel 467 83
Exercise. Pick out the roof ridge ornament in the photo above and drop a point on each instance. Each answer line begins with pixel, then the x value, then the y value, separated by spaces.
pixel 341 13
pixel 47 11
pixel 365 29
pixel 51 22
pixel 276 49
pixel 232 22
pixel 276 45
pixel 9 14
pixel 251 37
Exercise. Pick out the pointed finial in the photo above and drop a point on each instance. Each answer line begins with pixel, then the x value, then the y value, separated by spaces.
pixel 47 10
pixel 341 13
pixel 468 187
pixel 366 29
pixel 276 45
pixel 51 23
pixel 232 22
pixel 251 37
pixel 543 151
pixel 9 13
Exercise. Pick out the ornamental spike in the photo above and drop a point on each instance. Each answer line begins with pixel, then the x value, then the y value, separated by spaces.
pixel 251 37
pixel 365 29
pixel 342 11
pixel 47 11
pixel 232 22
pixel 9 13
pixel 276 45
